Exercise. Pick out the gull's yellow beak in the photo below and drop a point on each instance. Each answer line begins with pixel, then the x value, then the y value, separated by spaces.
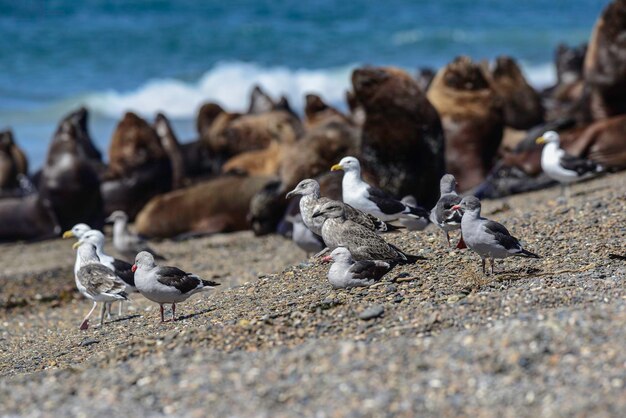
pixel 540 140
pixel 76 245
pixel 336 167
pixel 68 234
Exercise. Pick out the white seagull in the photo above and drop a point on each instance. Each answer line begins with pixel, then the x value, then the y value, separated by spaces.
pixel 561 166
pixel 346 273
pixel 372 200
pixel 95 281
pixel 442 215
pixel 125 242
pixel 162 284
pixel 487 238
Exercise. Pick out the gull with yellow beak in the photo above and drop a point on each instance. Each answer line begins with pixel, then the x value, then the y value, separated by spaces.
pixel 561 166
pixel 95 281
pixel 376 202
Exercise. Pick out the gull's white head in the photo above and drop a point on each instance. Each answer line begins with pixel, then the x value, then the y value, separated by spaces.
pixel 341 254
pixel 117 215
pixel 305 187
pixel 77 231
pixel 347 164
pixel 547 137
pixel 94 237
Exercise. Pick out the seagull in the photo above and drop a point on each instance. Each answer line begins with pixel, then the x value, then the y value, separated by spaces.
pixel 442 214
pixel 372 200
pixel 121 268
pixel 303 236
pixel 363 243
pixel 166 284
pixel 413 224
pixel 561 166
pixel 77 231
pixel 346 273
pixel 309 189
pixel 487 238
pixel 127 243
pixel 95 281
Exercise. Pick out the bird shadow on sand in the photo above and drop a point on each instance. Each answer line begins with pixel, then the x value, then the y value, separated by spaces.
pixel 194 314
pixel 123 318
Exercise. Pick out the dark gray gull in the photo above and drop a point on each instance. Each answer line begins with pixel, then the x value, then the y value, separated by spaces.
pixel 125 242
pixel 561 166
pixel 303 237
pixel 346 273
pixel 487 238
pixel 363 243
pixel 164 284
pixel 360 195
pixel 442 215
pixel 95 281
pixel 309 189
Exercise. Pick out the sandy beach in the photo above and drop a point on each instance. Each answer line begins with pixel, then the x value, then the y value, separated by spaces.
pixel 541 337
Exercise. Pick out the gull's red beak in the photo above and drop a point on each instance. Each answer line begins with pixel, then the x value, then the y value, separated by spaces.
pixel 133 268
pixel 327 259
pixel 456 207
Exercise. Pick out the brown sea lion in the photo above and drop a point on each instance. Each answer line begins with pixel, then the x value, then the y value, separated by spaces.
pixel 219 205
pixel 260 102
pixel 565 99
pixel 13 163
pixel 139 167
pixel 603 142
pixel 263 162
pixel 320 148
pixel 605 62
pixel 472 118
pixel 522 104
pixel 27 218
pixel 402 138
pixel 317 112
pixel 170 144
pixel 69 179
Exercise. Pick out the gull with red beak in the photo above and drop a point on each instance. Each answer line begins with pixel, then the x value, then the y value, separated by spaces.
pixel 163 284
pixel 487 238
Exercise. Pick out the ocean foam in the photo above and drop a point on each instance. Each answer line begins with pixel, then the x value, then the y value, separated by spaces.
pixel 228 84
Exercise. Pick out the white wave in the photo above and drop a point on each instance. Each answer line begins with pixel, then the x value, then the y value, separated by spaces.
pixel 228 84
pixel 540 75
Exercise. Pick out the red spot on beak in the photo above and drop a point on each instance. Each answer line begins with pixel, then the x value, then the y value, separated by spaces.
pixel 456 207
pixel 327 259
pixel 133 268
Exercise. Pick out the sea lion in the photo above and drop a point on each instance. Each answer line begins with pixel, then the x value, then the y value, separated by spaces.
pixel 218 205
pixel 317 112
pixel 267 207
pixel 170 144
pixel 425 76
pixel 69 179
pixel 402 137
pixel 139 167
pixel 263 162
pixel 522 104
pixel 603 142
pixel 13 165
pixel 320 148
pixel 260 102
pixel 565 99
pixel 472 117
pixel 27 218
pixel 605 62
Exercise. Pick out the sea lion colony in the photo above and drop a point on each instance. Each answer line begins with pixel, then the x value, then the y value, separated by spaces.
pixel 474 120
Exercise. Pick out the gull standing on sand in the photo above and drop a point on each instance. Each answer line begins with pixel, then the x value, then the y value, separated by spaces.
pixel 346 273
pixel 309 189
pixel 166 284
pixel 372 200
pixel 487 238
pixel 95 281
pixel 77 231
pixel 363 244
pixel 561 166
pixel 122 269
pixel 442 214
pixel 125 242
pixel 303 236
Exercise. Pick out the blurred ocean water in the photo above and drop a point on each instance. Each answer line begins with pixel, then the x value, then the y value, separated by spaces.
pixel 172 55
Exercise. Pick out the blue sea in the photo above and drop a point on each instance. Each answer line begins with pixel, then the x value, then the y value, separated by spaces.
pixel 173 55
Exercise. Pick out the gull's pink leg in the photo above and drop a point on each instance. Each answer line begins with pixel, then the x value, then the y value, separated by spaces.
pixel 85 324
